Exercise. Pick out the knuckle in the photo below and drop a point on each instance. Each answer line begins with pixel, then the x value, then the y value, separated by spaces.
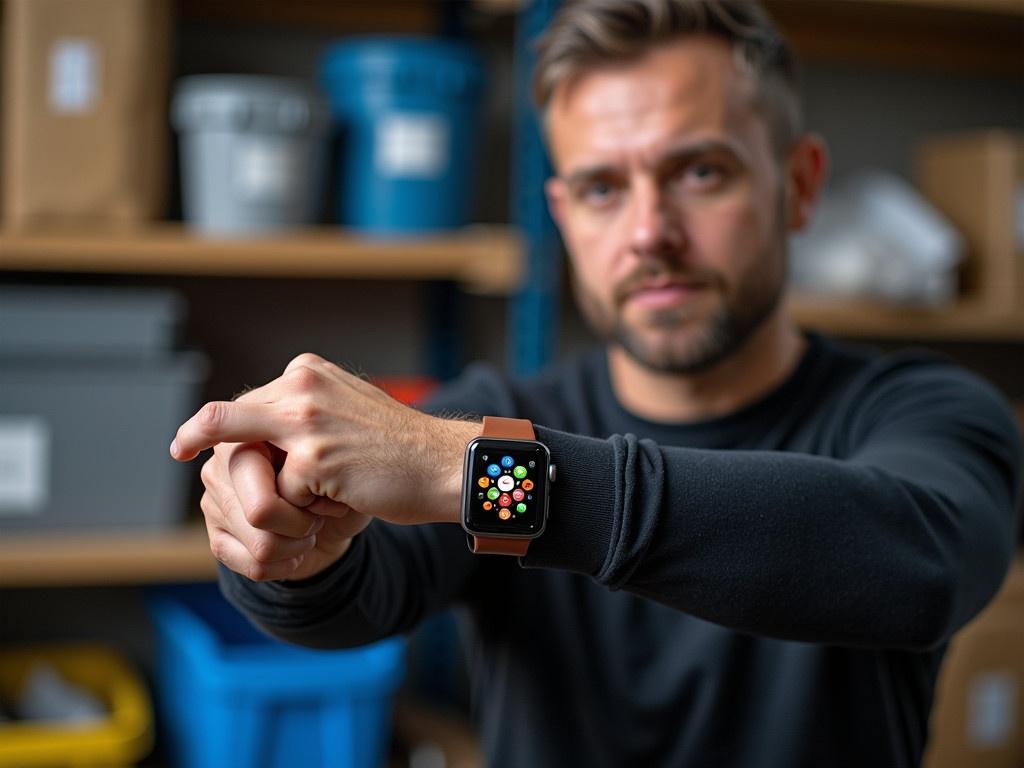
pixel 207 473
pixel 303 378
pixel 258 512
pixel 263 549
pixel 307 359
pixel 211 416
pixel 258 572
pixel 218 547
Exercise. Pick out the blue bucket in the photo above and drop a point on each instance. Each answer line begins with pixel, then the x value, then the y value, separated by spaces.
pixel 406 114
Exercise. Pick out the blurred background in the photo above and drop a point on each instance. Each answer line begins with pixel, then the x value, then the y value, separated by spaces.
pixel 193 192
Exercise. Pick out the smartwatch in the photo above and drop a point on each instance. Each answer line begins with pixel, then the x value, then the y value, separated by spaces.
pixel 506 479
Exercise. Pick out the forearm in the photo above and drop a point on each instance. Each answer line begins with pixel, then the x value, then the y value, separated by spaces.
pixel 779 544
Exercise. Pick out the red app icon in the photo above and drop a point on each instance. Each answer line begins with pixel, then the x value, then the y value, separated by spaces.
pixel 518 494
pixel 505 500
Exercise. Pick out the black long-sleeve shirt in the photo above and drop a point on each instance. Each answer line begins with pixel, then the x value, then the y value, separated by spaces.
pixel 774 588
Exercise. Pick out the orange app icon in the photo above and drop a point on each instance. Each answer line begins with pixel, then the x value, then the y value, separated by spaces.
pixel 527 485
pixel 483 482
pixel 504 513
pixel 487 505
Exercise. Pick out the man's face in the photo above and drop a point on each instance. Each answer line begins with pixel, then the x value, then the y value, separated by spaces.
pixel 669 197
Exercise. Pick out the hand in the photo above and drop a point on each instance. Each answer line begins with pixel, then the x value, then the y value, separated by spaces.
pixel 342 439
pixel 256 533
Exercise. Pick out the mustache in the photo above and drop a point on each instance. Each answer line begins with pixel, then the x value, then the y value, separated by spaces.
pixel 661 273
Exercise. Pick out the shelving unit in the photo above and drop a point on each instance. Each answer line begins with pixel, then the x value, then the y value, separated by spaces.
pixel 49 559
pixel 485 259
pixel 964 321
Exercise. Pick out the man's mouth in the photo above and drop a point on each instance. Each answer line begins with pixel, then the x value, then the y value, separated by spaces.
pixel 662 294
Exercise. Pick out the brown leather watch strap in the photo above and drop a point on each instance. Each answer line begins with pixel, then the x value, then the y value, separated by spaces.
pixel 488 545
pixel 515 429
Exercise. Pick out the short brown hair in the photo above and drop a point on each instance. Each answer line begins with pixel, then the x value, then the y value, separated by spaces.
pixel 590 33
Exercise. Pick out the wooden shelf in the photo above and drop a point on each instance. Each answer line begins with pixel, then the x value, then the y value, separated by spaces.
pixel 484 259
pixel 964 36
pixel 864 319
pixel 48 559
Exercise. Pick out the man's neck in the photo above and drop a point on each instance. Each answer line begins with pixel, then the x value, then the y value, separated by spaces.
pixel 760 364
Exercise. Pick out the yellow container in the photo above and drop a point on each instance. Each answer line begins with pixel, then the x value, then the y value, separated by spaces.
pixel 121 740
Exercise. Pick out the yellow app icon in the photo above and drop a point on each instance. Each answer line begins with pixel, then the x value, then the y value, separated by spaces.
pixel 483 482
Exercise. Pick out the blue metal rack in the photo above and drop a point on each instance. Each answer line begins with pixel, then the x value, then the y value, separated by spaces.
pixel 533 313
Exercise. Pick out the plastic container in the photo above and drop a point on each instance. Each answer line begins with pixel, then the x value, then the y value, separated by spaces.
pixel 83 442
pixel 122 738
pixel 228 695
pixel 74 322
pixel 252 152
pixel 407 117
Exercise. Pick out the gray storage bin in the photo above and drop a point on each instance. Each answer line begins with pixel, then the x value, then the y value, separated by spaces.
pixel 253 152
pixel 84 444
pixel 38 321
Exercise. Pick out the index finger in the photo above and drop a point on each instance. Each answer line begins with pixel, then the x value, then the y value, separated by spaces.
pixel 225 422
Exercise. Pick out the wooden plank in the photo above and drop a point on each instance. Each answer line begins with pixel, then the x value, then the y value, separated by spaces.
pixel 865 319
pixel 116 557
pixel 485 259
pixel 936 35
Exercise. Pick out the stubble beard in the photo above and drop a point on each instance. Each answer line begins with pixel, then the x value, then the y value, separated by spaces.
pixel 687 345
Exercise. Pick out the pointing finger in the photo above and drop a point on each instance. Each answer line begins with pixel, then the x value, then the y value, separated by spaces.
pixel 225 422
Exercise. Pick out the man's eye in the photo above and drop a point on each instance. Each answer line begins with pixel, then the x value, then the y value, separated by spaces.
pixel 598 190
pixel 704 173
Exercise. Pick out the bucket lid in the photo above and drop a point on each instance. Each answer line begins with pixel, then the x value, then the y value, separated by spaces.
pixel 403 64
pixel 248 103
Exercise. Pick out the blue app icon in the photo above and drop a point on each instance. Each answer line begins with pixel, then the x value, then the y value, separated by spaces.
pixel 493 470
pixel 507 462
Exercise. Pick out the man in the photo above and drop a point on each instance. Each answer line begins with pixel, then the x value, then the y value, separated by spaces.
pixel 758 542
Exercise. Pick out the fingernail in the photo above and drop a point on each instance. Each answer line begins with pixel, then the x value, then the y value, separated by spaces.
pixel 317 525
pixel 174 447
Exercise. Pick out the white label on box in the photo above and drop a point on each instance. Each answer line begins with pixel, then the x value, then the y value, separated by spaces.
pixel 411 146
pixel 74 76
pixel 264 170
pixel 992 709
pixel 24 465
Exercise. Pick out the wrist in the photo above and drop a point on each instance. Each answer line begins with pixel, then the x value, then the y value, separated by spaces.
pixel 448 480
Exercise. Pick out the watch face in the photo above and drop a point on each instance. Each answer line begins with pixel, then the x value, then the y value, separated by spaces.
pixel 506 487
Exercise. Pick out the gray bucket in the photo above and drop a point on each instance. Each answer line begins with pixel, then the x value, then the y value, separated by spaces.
pixel 253 151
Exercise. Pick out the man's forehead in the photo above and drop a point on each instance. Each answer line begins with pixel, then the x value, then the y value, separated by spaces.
pixel 689 86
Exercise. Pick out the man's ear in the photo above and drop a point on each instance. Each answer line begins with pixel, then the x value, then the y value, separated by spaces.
pixel 555 192
pixel 806 170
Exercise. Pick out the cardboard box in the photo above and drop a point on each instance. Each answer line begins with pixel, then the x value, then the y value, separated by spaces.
pixel 978 717
pixel 85 131
pixel 976 180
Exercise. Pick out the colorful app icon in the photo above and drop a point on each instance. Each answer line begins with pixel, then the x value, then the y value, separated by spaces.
pixel 493 470
pixel 518 494
pixel 506 483
pixel 504 514
pixel 505 500
pixel 488 505
pixel 520 508
pixel 519 472
pixel 483 482
pixel 527 485
pixel 493 493
pixel 507 462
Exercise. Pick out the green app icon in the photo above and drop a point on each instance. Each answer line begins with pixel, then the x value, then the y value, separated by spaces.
pixel 519 472
pixel 520 508
pixel 493 493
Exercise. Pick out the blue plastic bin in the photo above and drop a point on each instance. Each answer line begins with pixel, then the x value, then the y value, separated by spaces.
pixel 227 695
pixel 406 114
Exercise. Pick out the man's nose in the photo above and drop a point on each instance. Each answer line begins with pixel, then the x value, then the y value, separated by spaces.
pixel 655 226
